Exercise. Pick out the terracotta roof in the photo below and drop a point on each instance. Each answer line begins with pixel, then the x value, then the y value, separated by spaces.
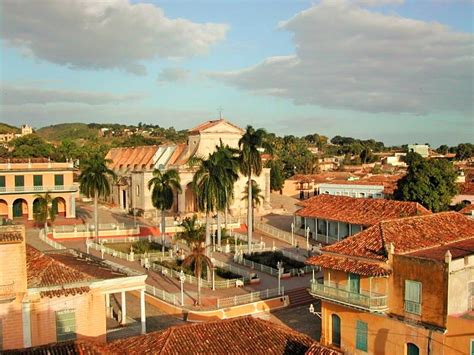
pixel 468 209
pixel 362 211
pixel 83 347
pixel 72 291
pixel 458 250
pixel 208 124
pixel 346 264
pixel 407 235
pixel 246 335
pixel 466 188
pixel 11 237
pixel 133 158
pixel 318 349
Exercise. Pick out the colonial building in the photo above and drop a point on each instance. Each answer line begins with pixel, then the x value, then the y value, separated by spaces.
pixel 23 181
pixel 57 296
pixel 332 218
pixel 134 167
pixel 403 286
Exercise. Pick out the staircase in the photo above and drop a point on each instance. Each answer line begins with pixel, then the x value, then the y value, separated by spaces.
pixel 299 297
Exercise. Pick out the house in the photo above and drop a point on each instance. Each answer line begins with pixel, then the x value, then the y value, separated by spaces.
pixel 56 296
pixel 134 167
pixel 422 149
pixel 402 286
pixel 245 335
pixel 23 181
pixel 331 218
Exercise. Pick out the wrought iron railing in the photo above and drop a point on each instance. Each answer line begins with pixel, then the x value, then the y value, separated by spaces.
pixel 36 189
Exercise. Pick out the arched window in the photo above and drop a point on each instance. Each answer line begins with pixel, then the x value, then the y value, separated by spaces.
pixel 412 349
pixel 336 330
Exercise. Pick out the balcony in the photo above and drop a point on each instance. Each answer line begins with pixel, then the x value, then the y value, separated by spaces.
pixel 37 189
pixel 368 301
pixel 7 292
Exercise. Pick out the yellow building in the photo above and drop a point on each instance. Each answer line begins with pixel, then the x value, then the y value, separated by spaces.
pixel 403 286
pixel 23 181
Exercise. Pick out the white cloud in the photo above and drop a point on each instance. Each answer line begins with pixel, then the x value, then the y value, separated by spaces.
pixel 102 34
pixel 173 74
pixel 375 3
pixel 18 95
pixel 349 57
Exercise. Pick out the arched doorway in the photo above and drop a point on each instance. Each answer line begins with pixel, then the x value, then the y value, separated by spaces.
pixel 3 209
pixel 412 349
pixel 37 205
pixel 190 199
pixel 59 206
pixel 336 330
pixel 20 208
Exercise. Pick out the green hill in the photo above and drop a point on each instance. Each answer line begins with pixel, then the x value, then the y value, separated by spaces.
pixel 5 128
pixel 67 130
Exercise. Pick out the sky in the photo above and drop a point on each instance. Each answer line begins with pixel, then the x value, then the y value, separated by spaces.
pixel 400 71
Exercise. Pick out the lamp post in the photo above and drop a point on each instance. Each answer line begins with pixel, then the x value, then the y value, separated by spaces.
pixel 292 233
pixel 213 274
pixel 280 272
pixel 182 277
pixel 307 238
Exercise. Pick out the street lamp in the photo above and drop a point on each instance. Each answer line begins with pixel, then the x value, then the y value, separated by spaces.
pixel 213 274
pixel 312 311
pixel 292 233
pixel 307 238
pixel 280 272
pixel 182 277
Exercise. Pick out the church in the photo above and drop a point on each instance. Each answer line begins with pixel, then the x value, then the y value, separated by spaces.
pixel 134 168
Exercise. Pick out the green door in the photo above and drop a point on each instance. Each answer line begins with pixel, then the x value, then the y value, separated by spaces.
pixel 354 283
pixel 336 330
pixel 18 208
pixel 412 349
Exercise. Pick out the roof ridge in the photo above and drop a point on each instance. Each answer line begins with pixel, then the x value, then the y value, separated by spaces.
pixel 168 334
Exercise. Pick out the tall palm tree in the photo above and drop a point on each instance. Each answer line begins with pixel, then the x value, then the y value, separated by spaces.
pixel 95 181
pixel 251 163
pixel 196 239
pixel 257 199
pixel 162 187
pixel 228 160
pixel 45 210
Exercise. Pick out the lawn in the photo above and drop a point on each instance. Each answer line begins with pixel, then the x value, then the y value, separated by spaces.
pixel 139 247
pixel 271 258
pixel 221 274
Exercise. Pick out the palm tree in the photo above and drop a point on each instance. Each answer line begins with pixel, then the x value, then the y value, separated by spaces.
pixel 95 181
pixel 251 163
pixel 195 237
pixel 257 199
pixel 45 210
pixel 163 186
pixel 228 160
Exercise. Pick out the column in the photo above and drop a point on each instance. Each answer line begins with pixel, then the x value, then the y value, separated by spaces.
pixel 30 210
pixel 338 228
pixel 107 305
pixel 142 311
pixel 10 210
pixel 72 206
pixel 182 200
pixel 123 321
pixel 327 232
pixel 26 320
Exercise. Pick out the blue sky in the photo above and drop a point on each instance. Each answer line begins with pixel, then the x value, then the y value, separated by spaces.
pixel 393 70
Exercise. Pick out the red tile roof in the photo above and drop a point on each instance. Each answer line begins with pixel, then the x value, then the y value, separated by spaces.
pixel 458 250
pixel 346 264
pixel 246 335
pixel 83 347
pixel 318 349
pixel 468 209
pixel 362 211
pixel 208 124
pixel 407 235
pixel 11 237
pixel 72 291
pixel 133 158
pixel 466 188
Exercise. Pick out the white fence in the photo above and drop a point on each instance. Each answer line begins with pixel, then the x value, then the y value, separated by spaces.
pixel 249 298
pixel 88 230
pixel 231 283
pixel 163 295
pixel 52 243
pixel 275 232
pixel 157 256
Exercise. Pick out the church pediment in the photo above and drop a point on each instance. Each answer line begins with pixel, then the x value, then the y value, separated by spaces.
pixel 217 126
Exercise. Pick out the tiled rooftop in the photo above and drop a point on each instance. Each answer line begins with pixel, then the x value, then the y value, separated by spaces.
pixel 11 237
pixel 457 249
pixel 466 188
pixel 133 158
pixel 345 264
pixel 82 347
pixel 468 209
pixel 362 211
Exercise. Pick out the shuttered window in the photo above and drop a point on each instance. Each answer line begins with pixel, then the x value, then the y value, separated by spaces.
pixel 66 325
pixel 361 335
pixel 413 296
pixel 19 180
pixel 37 180
pixel 2 181
pixel 58 180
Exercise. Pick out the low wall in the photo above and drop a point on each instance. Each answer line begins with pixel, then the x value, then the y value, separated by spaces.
pixel 91 234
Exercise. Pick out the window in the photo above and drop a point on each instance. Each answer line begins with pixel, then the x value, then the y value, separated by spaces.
pixel 413 297
pixel 59 180
pixel 354 283
pixel 412 349
pixel 19 180
pixel 361 335
pixel 138 190
pixel 2 181
pixel 37 180
pixel 472 346
pixel 66 325
pixel 336 330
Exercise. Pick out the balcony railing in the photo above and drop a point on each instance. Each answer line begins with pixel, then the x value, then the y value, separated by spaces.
pixel 7 291
pixel 37 189
pixel 366 300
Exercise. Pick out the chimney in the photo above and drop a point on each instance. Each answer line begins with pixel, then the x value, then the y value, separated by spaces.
pixel 448 257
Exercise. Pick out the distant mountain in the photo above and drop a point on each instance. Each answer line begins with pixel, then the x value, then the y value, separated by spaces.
pixel 5 128
pixel 72 131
